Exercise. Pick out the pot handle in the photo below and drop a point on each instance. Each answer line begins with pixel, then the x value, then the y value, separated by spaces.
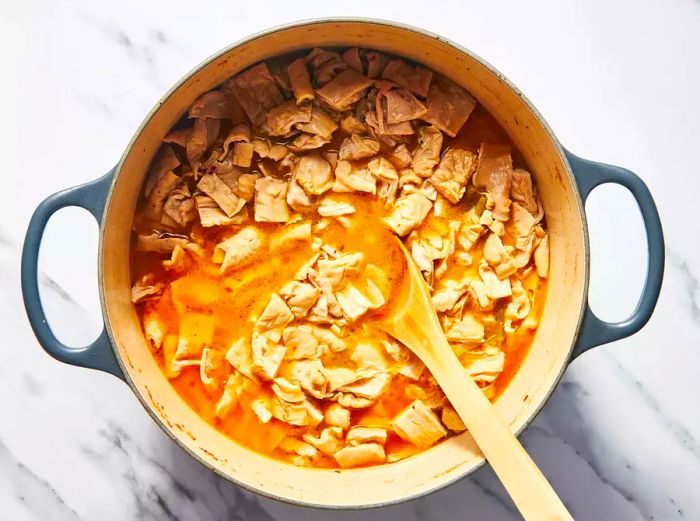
pixel 98 355
pixel 595 331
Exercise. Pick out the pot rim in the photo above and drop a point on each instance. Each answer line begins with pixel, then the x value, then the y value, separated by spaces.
pixel 251 39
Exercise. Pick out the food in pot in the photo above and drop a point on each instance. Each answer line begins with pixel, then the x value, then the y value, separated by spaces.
pixel 263 254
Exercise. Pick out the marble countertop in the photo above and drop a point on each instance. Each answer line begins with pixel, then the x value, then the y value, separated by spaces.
pixel 617 81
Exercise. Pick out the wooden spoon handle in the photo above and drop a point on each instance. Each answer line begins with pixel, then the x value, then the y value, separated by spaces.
pixel 527 486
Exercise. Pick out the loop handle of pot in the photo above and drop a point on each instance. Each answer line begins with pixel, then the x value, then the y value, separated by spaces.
pixel 595 331
pixel 99 354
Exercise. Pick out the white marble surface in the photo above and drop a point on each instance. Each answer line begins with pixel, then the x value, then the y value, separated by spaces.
pixel 618 81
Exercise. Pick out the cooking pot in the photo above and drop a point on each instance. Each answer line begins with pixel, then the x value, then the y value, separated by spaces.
pixel 568 327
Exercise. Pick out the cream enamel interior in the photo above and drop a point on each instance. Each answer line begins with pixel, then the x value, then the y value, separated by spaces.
pixel 449 460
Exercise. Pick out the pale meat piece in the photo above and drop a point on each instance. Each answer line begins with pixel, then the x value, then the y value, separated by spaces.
pixel 300 81
pixel 270 200
pixel 428 246
pixel 313 173
pixel 307 142
pixel 452 173
pixel 287 391
pixel 337 415
pixel 196 330
pixel 522 191
pixel 212 369
pixel 236 385
pixel 352 58
pixel 360 455
pixel 409 212
pixel 368 355
pixel 333 207
pixel 412 77
pixel 256 91
pixel 523 224
pixel 212 104
pixel 328 341
pixel 400 156
pixel 334 270
pixel 498 186
pixel 402 106
pixel 300 342
pixel 419 425
pixel 449 106
pixel 276 315
pixel 541 257
pixel 295 446
pixel 300 297
pixel 219 191
pixel 244 186
pixel 165 184
pixel 267 355
pixel 165 161
pixel 159 243
pixel 320 124
pixel 388 178
pixel 240 249
pixel 482 367
pixel 329 441
pixel 519 306
pixel 280 120
pixel 154 331
pixel 357 147
pixel 448 294
pixel 242 154
pixel 176 262
pixel 358 435
pixel 344 90
pixel 297 198
pixel 427 152
pixel 240 356
pixel 262 409
pixel 145 288
pixel 210 214
pixel 495 287
pixel 356 303
pixel 349 178
pixel 364 391
pixel 180 207
pixel 309 374
pixel 325 65
pixel 466 329
pixel 376 62
pixel 203 136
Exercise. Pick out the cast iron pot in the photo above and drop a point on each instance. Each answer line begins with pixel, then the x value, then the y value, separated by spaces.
pixel 568 327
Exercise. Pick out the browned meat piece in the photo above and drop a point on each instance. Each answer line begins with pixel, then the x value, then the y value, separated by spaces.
pixel 215 188
pixel 314 174
pixel 257 91
pixel 178 136
pixel 204 134
pixel 320 124
pixel 307 142
pixel 352 58
pixel 325 65
pixel 358 147
pixel 449 106
pixel 427 153
pixel 452 174
pixel 159 243
pixel 281 119
pixel 300 81
pixel 159 193
pixel 522 191
pixel 344 90
pixel 165 160
pixel 492 158
pixel 212 104
pixel 352 125
pixel 180 206
pixel 412 77
pixel 402 106
pixel 238 134
pixel 376 62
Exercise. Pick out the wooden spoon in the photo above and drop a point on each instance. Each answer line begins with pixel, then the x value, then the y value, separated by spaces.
pixel 414 322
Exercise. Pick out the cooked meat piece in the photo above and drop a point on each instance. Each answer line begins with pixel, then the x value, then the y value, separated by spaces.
pixel 203 136
pixel 154 331
pixel 368 355
pixel 452 174
pixel 212 369
pixel 309 374
pixel 402 106
pixel 498 186
pixel 427 246
pixel 412 77
pixel 212 104
pixel 314 174
pixel 427 153
pixel 492 158
pixel 275 316
pixel 219 191
pixel 351 125
pixel 400 156
pixel 376 62
pixel 329 441
pixel 300 81
pixel 385 172
pixel 409 211
pixel 262 409
pixel 358 435
pixel 257 92
pixel 236 385
pixel 495 287
pixel 337 415
pixel 325 65
pixel 349 178
pixel 522 191
pixel 364 391
pixel 357 147
pixel 466 329
pixel 245 186
pixel 328 341
pixel 176 262
pixel 333 207
pixel 238 134
pixel 523 224
pixel 196 331
pixel 295 446
pixel 240 356
pixel 541 256
pixel 344 90
pixel 448 294
pixel 158 243
pixel 280 120
pixel 449 106
pixel 334 270
pixel 359 455
pixel 165 161
pixel 452 421
pixel 287 391
pixel 519 306
pixel 178 136
pixel 180 207
pixel 297 198
pixel 320 124
pixel 482 367
pixel 418 424
pixel 307 142
pixel 494 251
pixel 145 288
pixel 354 303
pixel 239 249
pixel 300 341
pixel 242 154
pixel 352 58
pixel 267 355
pixel 270 200
pixel 165 184
pixel 291 235
pixel 210 214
